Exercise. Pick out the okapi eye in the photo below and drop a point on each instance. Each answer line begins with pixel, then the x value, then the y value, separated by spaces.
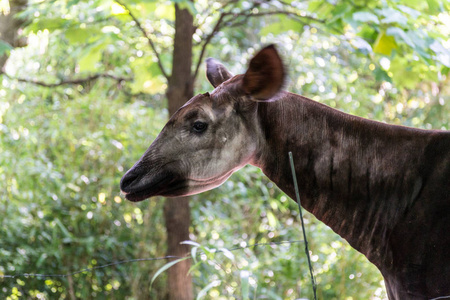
pixel 199 126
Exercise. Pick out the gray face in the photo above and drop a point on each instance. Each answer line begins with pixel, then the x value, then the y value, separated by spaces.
pixel 210 137
pixel 203 143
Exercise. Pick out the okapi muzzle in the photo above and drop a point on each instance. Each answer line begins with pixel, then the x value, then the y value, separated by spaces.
pixel 384 188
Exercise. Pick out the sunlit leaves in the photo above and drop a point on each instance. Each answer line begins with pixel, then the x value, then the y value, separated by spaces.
pixel 410 11
pixel 362 45
pixel 117 9
pixel 435 6
pixel 442 54
pixel 66 206
pixel 400 35
pixel 321 8
pixel 403 26
pixel 391 15
pixel 164 11
pixel 90 57
pixel 148 77
pixel 79 35
pixel 50 24
pixel 283 24
pixel 365 16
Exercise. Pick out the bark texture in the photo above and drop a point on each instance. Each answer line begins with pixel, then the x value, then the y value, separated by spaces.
pixel 10 26
pixel 176 210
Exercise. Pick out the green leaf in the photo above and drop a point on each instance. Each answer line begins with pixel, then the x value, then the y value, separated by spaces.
pixel 117 9
pixel 63 228
pixel 416 4
pixel 195 266
pixel 271 219
pixel 193 249
pixel 5 48
pixel 405 75
pixel 41 260
pixel 147 77
pixel 339 11
pixel 194 254
pixel 165 11
pixel 381 75
pixel 192 243
pixel 392 16
pixel 78 35
pixel 91 56
pixel 435 6
pixel 245 288
pixel 384 44
pixel 285 24
pixel 421 43
pixel 365 16
pixel 325 10
pixel 51 24
pixel 165 267
pixel 314 5
pixel 442 54
pixel 71 3
pixel 410 11
pixel 400 35
pixel 206 250
pixel 361 45
pixel 148 8
pixel 88 62
pixel 227 253
pixel 205 290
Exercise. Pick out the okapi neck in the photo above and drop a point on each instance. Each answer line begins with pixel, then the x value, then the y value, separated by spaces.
pixel 349 170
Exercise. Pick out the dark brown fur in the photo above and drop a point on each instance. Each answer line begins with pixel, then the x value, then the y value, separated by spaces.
pixel 384 188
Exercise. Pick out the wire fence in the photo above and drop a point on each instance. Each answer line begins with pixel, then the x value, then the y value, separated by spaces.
pixel 121 262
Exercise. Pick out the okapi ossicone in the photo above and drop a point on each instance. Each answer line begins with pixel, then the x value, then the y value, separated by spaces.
pixel 383 188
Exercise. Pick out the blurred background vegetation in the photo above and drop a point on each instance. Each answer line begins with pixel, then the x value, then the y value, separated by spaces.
pixel 83 95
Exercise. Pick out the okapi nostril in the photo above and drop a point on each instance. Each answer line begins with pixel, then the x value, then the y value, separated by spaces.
pixel 127 180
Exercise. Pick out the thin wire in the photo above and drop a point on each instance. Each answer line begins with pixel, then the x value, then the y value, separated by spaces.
pixel 297 195
pixel 136 260
pixel 88 269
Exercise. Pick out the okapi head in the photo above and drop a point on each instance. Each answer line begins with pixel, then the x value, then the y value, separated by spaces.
pixel 211 136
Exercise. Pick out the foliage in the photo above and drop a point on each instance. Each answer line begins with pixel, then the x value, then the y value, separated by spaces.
pixel 64 149
pixel 411 36
pixel 61 206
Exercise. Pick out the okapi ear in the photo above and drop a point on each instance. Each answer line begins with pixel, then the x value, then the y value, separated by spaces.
pixel 265 75
pixel 216 72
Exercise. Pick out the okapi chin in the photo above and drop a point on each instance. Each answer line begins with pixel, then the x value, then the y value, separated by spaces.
pixel 383 188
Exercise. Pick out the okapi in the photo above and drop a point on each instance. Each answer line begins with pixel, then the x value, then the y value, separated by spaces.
pixel 384 188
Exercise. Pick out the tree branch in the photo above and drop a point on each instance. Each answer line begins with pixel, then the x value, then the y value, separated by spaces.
pixel 68 81
pixel 248 15
pixel 208 39
pixel 149 39
pixel 235 19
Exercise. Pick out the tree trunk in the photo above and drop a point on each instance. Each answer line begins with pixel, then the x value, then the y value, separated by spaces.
pixel 9 27
pixel 176 210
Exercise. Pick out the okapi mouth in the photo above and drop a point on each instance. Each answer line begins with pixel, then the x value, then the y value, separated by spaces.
pixel 139 187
